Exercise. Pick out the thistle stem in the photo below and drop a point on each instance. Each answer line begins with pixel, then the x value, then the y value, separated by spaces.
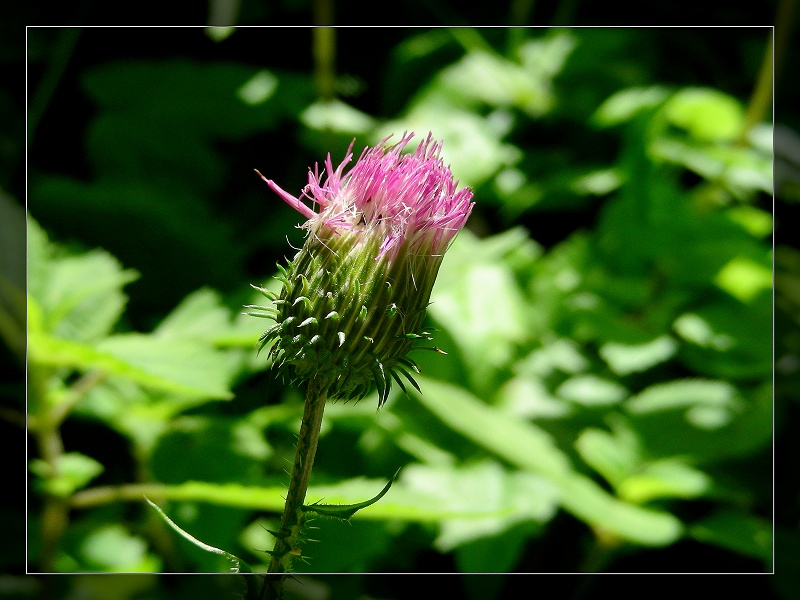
pixel 292 519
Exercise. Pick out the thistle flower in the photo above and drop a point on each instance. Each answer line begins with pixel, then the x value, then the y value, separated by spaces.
pixel 354 297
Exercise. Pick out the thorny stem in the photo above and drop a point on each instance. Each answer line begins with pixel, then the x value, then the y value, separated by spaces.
pixel 291 522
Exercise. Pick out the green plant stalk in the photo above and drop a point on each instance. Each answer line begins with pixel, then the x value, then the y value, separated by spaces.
pixel 45 424
pixel 288 536
pixel 45 428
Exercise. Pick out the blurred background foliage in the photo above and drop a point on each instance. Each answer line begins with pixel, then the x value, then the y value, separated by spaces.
pixel 606 404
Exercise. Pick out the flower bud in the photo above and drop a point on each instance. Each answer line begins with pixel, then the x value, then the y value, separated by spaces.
pixel 354 297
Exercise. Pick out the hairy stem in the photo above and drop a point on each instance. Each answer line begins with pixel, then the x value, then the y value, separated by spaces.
pixel 287 540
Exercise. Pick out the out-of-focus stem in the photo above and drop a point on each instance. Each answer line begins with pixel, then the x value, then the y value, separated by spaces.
pixel 55 510
pixel 45 425
pixel 760 99
pixel 286 544
pixel 324 40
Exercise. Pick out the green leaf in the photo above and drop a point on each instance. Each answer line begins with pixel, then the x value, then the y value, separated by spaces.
pixel 80 297
pixel 615 456
pixel 682 394
pixel 529 448
pixel 112 548
pixel 519 500
pixel 336 116
pixel 626 104
pixel 200 316
pixel 237 565
pixel 706 114
pixel 625 359
pixel 73 471
pixel 186 363
pixel 668 478
pixel 143 361
pixel 744 278
pixel 590 390
pixel 477 299
pixel 403 504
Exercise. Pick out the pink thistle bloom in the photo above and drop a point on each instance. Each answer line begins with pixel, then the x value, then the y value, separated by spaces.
pixel 403 198
pixel 355 295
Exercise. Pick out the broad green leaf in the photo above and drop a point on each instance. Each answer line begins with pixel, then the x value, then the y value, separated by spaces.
pixel 529 448
pixel 743 170
pixel 480 304
pixel 510 498
pixel 141 362
pixel 184 362
pixel 694 328
pixel 202 317
pixel 80 297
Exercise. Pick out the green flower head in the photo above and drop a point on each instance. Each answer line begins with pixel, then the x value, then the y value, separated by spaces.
pixel 354 297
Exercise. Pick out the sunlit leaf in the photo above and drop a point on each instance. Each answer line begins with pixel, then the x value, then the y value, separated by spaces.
pixel 73 471
pixel 631 358
pixel 669 478
pixel 140 360
pixel 706 114
pixel 529 448
pixel 591 390
pixel 625 104
pixel 404 503
pixel 508 498
pixel 113 548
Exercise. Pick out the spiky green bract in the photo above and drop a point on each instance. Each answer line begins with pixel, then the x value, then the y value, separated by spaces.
pixel 348 320
pixel 354 297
